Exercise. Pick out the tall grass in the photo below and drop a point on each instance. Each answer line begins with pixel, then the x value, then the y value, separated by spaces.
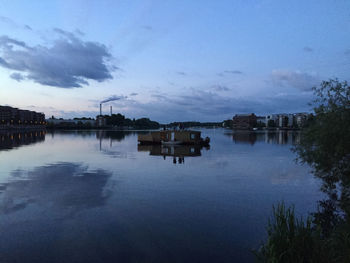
pixel 291 239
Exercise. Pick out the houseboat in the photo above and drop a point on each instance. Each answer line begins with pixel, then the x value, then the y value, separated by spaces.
pixel 174 137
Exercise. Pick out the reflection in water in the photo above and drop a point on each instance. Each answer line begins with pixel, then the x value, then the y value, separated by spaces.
pixel 55 208
pixel 9 139
pixel 177 152
pixel 112 136
pixel 57 186
pixel 272 137
pixel 43 211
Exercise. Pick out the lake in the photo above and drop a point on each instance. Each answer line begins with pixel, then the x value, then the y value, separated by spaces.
pixel 97 196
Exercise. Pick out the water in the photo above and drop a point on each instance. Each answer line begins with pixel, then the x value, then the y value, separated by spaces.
pixel 99 197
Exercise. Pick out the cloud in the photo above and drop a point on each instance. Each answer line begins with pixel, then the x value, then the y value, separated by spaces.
pixel 293 79
pixel 147 27
pixel 17 76
pixel 133 94
pixel 199 105
pixel 13 24
pixel 220 88
pixel 68 63
pixel 233 72
pixel 308 49
pixel 230 72
pixel 114 98
pixel 181 73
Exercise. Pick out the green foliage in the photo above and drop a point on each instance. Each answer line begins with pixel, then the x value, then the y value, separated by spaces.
pixel 188 124
pixel 260 124
pixel 146 123
pixel 326 137
pixel 291 239
pixel 325 146
pixel 119 120
pixel 271 123
pixel 228 123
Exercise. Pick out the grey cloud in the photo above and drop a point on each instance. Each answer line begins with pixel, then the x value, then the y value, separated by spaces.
pixel 181 73
pixel 159 96
pixel 68 63
pixel 147 27
pixel 133 94
pixel 17 76
pixel 200 105
pixel 79 32
pixel 308 49
pixel 229 72
pixel 220 88
pixel 293 79
pixel 233 72
pixel 13 24
pixel 211 106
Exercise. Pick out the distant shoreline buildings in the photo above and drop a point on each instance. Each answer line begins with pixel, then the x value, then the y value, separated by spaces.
pixel 281 120
pixel 14 117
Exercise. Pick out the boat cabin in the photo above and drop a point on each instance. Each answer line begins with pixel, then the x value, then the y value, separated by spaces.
pixel 166 136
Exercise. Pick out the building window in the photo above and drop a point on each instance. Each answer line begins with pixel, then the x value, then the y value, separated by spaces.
pixel 193 136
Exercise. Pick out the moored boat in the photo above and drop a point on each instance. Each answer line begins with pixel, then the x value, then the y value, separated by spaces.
pixel 171 142
pixel 173 137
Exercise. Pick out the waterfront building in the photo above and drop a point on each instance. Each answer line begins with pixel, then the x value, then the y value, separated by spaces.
pixel 61 121
pixel 244 121
pixel 271 120
pixel 15 116
pixel 261 121
pixel 301 118
pixel 101 121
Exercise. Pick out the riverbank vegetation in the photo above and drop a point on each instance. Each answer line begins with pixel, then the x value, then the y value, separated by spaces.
pixel 324 236
pixel 114 121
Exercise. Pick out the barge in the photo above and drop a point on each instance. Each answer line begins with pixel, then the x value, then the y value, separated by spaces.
pixel 174 137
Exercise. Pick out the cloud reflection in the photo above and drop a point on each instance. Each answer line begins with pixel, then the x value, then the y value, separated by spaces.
pixel 63 187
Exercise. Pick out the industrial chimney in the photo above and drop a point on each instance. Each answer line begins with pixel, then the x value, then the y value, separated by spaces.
pixel 111 110
pixel 100 109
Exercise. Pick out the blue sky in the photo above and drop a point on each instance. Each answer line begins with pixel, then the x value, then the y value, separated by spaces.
pixel 170 60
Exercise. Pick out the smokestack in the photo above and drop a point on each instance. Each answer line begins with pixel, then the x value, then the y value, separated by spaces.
pixel 111 110
pixel 100 109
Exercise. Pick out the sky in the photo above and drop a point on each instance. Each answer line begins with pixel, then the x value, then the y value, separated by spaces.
pixel 170 60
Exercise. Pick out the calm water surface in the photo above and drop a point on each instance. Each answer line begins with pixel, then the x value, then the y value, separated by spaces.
pixel 99 197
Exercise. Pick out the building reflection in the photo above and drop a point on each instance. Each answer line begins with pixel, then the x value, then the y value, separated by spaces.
pixel 176 153
pixel 270 137
pixel 10 139
pixel 117 136
pixel 113 135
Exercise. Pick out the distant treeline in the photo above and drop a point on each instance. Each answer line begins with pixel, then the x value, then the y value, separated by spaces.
pixel 188 124
pixel 119 120
pixel 116 121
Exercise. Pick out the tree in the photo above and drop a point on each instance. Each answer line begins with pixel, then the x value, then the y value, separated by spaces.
pixel 228 123
pixel 325 146
pixel 271 123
